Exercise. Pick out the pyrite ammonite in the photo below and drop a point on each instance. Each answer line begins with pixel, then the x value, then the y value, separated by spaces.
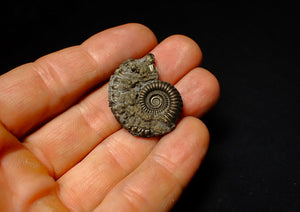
pixel 141 103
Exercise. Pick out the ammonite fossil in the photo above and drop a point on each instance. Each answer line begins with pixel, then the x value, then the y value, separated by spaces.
pixel 141 103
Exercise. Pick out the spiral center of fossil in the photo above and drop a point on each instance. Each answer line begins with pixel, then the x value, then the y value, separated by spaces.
pixel 156 101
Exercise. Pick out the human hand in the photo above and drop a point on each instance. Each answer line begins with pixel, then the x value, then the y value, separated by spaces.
pixel 61 147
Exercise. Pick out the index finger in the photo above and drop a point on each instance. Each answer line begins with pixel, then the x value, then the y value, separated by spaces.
pixel 35 92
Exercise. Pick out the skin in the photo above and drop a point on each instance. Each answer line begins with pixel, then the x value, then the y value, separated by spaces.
pixel 62 149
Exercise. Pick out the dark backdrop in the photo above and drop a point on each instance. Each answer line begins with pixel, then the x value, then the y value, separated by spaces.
pixel 253 161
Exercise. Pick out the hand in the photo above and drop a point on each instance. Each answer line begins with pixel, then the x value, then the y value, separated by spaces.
pixel 61 147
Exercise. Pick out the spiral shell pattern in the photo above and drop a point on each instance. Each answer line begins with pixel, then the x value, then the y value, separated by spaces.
pixel 141 103
pixel 161 98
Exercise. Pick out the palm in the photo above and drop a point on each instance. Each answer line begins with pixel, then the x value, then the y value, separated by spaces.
pixel 80 159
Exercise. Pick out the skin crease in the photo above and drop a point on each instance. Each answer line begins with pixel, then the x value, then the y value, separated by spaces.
pixel 61 148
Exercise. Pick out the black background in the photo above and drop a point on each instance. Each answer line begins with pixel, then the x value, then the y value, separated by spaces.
pixel 253 161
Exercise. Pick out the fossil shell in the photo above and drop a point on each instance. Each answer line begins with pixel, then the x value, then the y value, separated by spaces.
pixel 141 103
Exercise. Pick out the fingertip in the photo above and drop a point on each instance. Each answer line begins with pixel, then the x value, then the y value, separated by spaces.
pixel 186 46
pixel 211 88
pixel 142 29
pixel 138 37
pixel 201 133
pixel 175 56
pixel 188 143
pixel 195 138
pixel 200 91
pixel 128 29
pixel 190 46
pixel 194 130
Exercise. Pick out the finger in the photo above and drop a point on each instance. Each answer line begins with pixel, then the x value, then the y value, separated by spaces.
pixel 91 120
pixel 25 179
pixel 86 184
pixel 200 91
pixel 157 183
pixel 181 53
pixel 120 154
pixel 37 91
